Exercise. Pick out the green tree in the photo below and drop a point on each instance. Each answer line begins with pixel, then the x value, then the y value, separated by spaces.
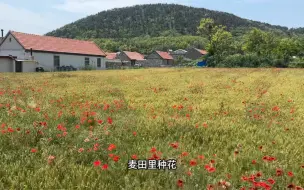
pixel 286 48
pixel 221 44
pixel 260 42
pixel 206 28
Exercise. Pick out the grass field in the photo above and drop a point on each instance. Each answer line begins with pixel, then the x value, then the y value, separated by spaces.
pixel 77 130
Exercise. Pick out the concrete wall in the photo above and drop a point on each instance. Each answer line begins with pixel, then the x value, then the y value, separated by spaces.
pixel 46 60
pixel 113 63
pixel 29 66
pixel 6 65
pixel 154 60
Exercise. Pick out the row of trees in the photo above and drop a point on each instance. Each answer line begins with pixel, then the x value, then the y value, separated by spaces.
pixel 254 49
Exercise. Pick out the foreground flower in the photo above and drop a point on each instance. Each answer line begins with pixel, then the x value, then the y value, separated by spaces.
pixel 110 121
pixel 33 150
pixel 271 181
pixel 193 162
pixel 111 147
pixel 174 145
pixel 51 158
pixel 279 172
pixel 104 167
pixel 97 163
pixel 180 183
pixel 290 174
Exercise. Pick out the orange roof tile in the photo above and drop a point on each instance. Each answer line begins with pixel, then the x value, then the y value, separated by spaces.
pixel 134 56
pixel 58 45
pixel 111 55
pixel 164 55
pixel 203 52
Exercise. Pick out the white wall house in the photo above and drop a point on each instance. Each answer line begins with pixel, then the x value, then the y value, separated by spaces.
pixel 49 52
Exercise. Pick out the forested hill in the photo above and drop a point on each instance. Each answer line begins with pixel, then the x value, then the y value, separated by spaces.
pixel 155 20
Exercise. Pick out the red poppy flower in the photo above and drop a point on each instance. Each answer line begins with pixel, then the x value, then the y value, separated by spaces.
pixel 276 108
pixel 291 186
pixel 105 166
pixel 111 147
pixel 259 174
pixel 189 173
pixel 193 162
pixel 34 150
pixel 253 162
pixel 244 178
pixel 202 157
pixel 211 170
pixel 100 121
pixel 115 158
pixel 279 172
pixel 110 121
pixel 271 181
pixel 153 149
pixel 80 150
pixel 97 163
pixel 180 183
pixel 290 174
pixel 134 157
pixel 212 161
pixel 134 133
pixel 210 187
pixel 174 145
pixel 261 184
pixel 185 154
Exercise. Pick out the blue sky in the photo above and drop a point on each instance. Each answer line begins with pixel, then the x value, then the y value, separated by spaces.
pixel 42 16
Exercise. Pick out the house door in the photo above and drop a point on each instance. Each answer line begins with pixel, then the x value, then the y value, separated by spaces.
pixel 18 67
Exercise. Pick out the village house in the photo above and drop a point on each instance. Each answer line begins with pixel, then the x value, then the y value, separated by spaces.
pixel 131 58
pixel 48 52
pixel 194 53
pixel 158 59
pixel 178 53
pixel 112 61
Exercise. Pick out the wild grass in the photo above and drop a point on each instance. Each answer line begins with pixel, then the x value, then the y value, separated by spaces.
pixel 55 126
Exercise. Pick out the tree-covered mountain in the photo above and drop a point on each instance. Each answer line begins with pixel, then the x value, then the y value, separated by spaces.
pixel 156 20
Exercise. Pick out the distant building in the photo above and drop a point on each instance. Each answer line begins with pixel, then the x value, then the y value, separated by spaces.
pixel 1 37
pixel 194 53
pixel 50 53
pixel 159 58
pixel 178 53
pixel 131 58
pixel 112 61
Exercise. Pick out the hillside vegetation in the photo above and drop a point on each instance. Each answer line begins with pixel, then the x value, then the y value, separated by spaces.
pixel 154 20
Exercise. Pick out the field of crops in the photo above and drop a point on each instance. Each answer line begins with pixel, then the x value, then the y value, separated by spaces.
pixel 227 129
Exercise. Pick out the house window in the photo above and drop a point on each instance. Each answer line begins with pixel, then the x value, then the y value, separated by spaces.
pixel 56 61
pixel 10 39
pixel 132 62
pixel 87 61
pixel 98 62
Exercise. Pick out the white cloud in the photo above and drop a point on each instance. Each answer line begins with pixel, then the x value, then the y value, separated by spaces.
pixel 94 6
pixel 23 20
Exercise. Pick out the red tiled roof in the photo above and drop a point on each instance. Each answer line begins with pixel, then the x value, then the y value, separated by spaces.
pixel 203 52
pixel 55 44
pixel 164 55
pixel 111 55
pixel 134 56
